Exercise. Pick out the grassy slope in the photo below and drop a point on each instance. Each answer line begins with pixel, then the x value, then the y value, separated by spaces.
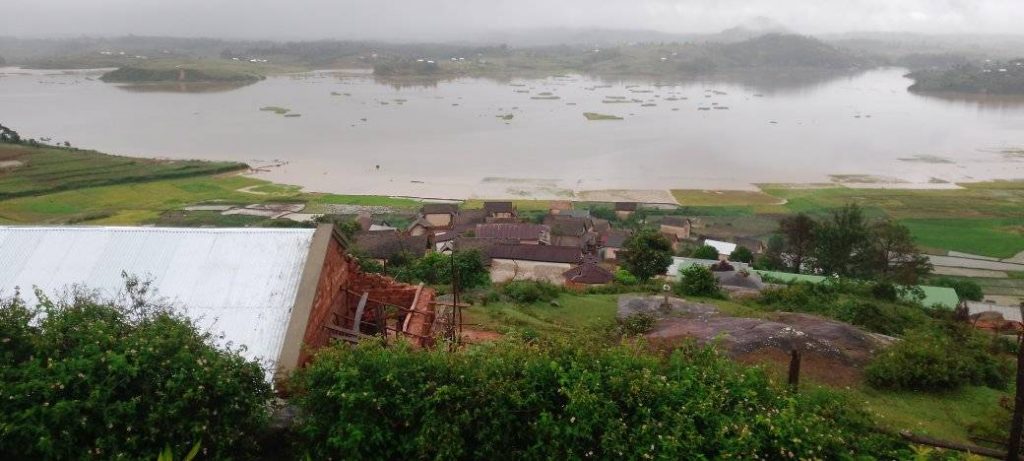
pixel 62 186
pixel 47 170
pixel 944 416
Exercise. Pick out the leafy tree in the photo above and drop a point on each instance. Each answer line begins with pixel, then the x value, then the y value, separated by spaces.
pixel 623 277
pixel 772 257
pixel 891 255
pixel 841 241
pixel 647 254
pixel 436 269
pixel 697 280
pixel 965 289
pixel 347 227
pixel 705 252
pixel 91 379
pixel 8 135
pixel 742 254
pixel 798 234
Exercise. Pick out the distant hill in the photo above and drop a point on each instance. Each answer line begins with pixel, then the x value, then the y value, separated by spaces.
pixel 782 50
pixel 1000 77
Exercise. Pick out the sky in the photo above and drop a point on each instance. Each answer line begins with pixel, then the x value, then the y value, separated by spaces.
pixel 465 19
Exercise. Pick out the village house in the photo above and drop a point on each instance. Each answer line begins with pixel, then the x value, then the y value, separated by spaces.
pixel 559 206
pixel 279 293
pixel 756 246
pixel 467 220
pixel 677 226
pixel 439 215
pixel 499 211
pixel 523 233
pixel 381 246
pixel 569 231
pixel 724 248
pixel 625 210
pixel 588 273
pixel 612 243
pixel 532 262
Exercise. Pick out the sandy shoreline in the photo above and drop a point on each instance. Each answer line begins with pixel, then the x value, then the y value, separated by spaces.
pixel 449 189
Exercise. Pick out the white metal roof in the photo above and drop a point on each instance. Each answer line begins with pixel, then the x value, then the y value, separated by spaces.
pixel 724 248
pixel 238 282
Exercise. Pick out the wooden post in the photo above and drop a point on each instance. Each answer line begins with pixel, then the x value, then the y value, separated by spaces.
pixel 794 369
pixel 1017 423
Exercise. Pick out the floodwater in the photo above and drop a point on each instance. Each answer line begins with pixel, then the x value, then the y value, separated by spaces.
pixel 455 139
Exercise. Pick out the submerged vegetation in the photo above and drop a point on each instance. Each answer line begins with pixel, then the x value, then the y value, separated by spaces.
pixel 597 116
pixel 193 71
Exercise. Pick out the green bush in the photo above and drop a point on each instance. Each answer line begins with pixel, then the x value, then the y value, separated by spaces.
pixel 885 291
pixel 436 269
pixel 623 277
pixel 742 254
pixel 705 252
pixel 697 280
pixel 849 302
pixel 938 359
pixel 531 291
pixel 510 400
pixel 86 379
pixel 637 324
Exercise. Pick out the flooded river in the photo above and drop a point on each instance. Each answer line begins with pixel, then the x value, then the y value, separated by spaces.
pixel 346 132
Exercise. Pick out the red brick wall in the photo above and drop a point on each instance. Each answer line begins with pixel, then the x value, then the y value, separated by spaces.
pixel 337 295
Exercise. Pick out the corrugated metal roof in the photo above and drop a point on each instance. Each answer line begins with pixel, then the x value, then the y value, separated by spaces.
pixel 239 282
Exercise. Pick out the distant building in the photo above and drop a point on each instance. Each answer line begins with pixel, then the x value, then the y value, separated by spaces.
pixel 500 210
pixel 559 206
pixel 524 233
pixel 625 210
pixel 439 215
pixel 724 248
pixel 532 262
pixel 381 246
pixel 676 225
pixel 589 272
pixel 614 241
pixel 280 293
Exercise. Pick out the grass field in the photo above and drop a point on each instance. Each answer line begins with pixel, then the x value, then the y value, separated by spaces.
pixel 997 237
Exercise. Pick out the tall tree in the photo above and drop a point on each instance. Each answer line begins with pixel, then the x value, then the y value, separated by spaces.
pixel 647 253
pixel 772 257
pixel 798 234
pixel 891 255
pixel 841 240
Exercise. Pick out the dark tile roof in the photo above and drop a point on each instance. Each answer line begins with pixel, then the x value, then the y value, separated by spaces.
pixel 386 244
pixel 499 207
pixel 440 208
pixel 590 273
pixel 625 206
pixel 751 244
pixel 468 219
pixel 512 231
pixel 616 238
pixel 538 253
pixel 601 226
pixel 567 225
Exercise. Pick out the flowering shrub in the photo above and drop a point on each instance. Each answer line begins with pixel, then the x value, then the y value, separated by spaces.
pixel 510 400
pixel 86 379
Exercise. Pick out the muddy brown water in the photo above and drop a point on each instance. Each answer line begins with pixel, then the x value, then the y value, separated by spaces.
pixel 455 139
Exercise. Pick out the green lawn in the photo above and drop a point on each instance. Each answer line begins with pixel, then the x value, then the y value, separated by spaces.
pixel 943 416
pixel 701 198
pixel 574 312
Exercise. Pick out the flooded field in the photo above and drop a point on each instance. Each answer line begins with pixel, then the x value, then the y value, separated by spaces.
pixel 346 132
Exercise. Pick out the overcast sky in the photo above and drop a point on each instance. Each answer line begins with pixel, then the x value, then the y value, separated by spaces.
pixel 454 19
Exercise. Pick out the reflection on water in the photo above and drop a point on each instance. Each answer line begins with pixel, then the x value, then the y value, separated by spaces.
pixel 996 102
pixel 182 87
pixel 443 137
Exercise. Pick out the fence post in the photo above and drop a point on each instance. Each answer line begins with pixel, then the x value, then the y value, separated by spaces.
pixel 794 369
